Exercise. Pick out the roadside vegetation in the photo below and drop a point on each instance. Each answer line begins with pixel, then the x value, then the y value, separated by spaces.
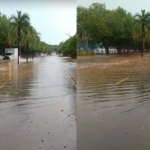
pixel 17 31
pixel 68 47
pixel 116 28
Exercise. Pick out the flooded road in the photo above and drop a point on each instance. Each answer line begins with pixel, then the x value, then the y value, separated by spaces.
pixel 113 102
pixel 37 105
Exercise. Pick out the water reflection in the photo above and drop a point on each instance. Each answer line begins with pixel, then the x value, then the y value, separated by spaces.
pixel 15 81
pixel 32 96
pixel 106 110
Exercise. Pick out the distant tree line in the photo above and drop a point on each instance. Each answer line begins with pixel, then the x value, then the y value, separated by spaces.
pixel 117 28
pixel 68 47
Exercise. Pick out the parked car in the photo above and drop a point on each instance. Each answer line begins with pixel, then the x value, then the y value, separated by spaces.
pixel 42 55
pixel 9 56
pixel 6 57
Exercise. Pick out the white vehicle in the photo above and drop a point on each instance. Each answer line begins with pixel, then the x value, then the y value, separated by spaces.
pixel 10 54
pixel 54 54
pixel 42 55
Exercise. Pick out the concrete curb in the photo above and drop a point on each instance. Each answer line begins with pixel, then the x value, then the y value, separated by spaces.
pixel 73 79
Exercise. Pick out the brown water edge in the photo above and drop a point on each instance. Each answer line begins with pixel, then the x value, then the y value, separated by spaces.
pixel 70 59
pixel 113 115
pixel 72 67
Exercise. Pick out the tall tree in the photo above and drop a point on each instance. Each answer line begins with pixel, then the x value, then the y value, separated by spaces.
pixel 29 39
pixel 69 47
pixel 141 27
pixel 18 23
pixel 4 28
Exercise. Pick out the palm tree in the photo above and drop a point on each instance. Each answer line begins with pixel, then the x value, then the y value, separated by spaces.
pixel 17 24
pixel 141 27
pixel 35 39
pixel 25 40
pixel 29 38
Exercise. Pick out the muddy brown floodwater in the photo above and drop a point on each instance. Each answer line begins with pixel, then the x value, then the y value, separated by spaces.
pixel 113 102
pixel 37 105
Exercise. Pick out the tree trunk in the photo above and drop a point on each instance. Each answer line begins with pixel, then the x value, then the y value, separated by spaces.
pixel 32 55
pixel 143 44
pixel 119 50
pixel 18 43
pixel 27 53
pixel 106 49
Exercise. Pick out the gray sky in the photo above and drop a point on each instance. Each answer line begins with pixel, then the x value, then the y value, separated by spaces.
pixel 132 6
pixel 52 18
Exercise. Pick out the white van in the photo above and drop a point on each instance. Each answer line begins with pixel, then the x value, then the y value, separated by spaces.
pixel 43 55
pixel 10 54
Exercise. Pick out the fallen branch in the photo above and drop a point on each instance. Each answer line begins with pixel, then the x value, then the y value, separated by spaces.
pixel 122 80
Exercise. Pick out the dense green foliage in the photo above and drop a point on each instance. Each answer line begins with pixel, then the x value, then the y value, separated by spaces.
pixel 17 31
pixel 54 48
pixel 68 48
pixel 142 28
pixel 111 28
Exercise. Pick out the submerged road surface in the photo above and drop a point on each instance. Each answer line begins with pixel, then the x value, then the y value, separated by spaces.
pixel 113 102
pixel 37 105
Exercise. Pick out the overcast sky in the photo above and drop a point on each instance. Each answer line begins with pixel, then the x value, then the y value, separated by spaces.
pixel 52 18
pixel 132 6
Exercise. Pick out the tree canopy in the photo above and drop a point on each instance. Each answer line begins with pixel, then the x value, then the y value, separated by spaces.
pixel 142 28
pixel 29 36
pixel 110 28
pixel 69 47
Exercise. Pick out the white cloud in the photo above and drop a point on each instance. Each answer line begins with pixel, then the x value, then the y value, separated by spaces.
pixel 51 19
pixel 132 6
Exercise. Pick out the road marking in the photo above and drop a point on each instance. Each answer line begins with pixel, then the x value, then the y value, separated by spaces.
pixel 122 80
